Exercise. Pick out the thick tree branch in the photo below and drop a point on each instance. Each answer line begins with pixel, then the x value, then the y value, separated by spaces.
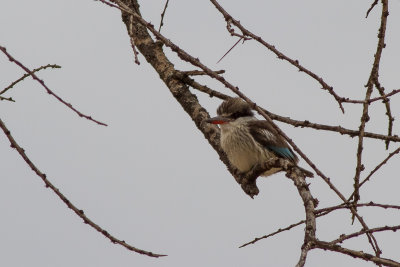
pixel 361 232
pixel 296 123
pixel 152 55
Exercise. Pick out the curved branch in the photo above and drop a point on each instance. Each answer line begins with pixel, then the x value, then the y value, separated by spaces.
pixel 279 54
pixel 361 232
pixel 54 66
pixel 356 254
pixel 309 205
pixel 64 199
pixel 373 78
pixel 386 102
pixel 369 204
pixel 50 92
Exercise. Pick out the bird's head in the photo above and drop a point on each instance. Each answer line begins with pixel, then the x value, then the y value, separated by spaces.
pixel 230 110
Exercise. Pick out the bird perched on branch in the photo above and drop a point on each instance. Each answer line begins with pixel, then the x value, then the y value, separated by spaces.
pixel 248 141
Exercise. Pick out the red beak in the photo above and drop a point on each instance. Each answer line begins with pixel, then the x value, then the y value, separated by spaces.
pixel 218 120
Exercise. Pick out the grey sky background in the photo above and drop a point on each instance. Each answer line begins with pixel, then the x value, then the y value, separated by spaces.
pixel 150 178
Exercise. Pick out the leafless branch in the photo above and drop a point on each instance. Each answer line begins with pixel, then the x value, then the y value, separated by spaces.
pixel 64 199
pixel 7 99
pixel 279 54
pixel 54 66
pixel 384 97
pixel 377 168
pixel 280 230
pixel 369 204
pixel 365 117
pixel 386 102
pixel 371 7
pixel 167 73
pixel 319 213
pixel 356 254
pixel 196 62
pixel 199 72
pixel 162 15
pixel 12 59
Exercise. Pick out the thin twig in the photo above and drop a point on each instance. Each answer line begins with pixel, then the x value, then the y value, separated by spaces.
pixel 54 66
pixel 162 15
pixel 64 199
pixel 135 52
pixel 229 50
pixel 279 54
pixel 361 232
pixel 386 101
pixel 371 7
pixel 233 33
pixel 365 117
pixel 12 59
pixel 356 254
pixel 296 123
pixel 309 206
pixel 196 62
pixel 7 99
pixel 319 213
pixel 380 165
pixel 280 230
pixel 108 3
pixel 369 204
pixel 376 169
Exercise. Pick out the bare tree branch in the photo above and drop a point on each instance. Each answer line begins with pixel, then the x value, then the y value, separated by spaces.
pixel 356 254
pixel 369 204
pixel 177 82
pixel 384 97
pixel 386 102
pixel 295 123
pixel 279 54
pixel 7 99
pixel 67 202
pixel 376 169
pixel 309 205
pixel 31 73
pixel 54 66
pixel 361 232
pixel 373 77
pixel 371 7
pixel 280 230
pixel 162 15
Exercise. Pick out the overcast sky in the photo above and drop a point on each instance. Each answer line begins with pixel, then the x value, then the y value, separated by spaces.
pixel 150 177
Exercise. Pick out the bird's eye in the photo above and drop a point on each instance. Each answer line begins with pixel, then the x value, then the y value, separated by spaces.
pixel 235 115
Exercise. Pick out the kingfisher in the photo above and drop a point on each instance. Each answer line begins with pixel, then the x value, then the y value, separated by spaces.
pixel 248 141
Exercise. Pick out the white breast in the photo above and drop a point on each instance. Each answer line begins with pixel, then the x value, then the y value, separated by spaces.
pixel 242 150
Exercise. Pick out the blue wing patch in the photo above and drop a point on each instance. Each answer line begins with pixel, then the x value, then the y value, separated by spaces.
pixel 282 152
